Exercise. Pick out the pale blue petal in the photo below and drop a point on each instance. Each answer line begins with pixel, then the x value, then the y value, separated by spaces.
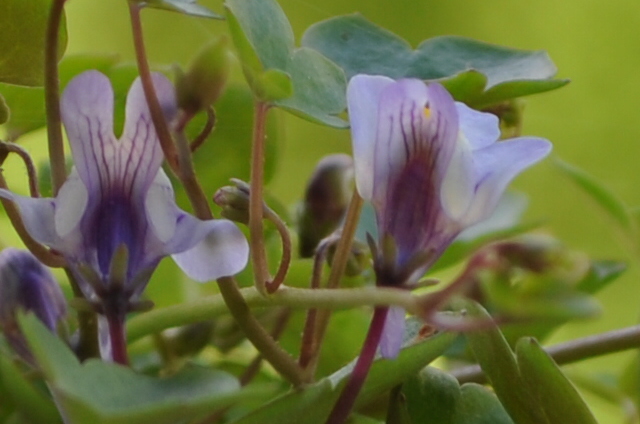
pixel 222 252
pixel 139 153
pixel 496 166
pixel 37 216
pixel 393 333
pixel 363 95
pixel 87 113
pixel 480 128
pixel 458 185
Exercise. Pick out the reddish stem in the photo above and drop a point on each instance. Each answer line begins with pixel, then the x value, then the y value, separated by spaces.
pixel 118 339
pixel 343 406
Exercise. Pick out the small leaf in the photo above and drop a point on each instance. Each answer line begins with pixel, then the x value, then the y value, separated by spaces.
pixel 548 386
pixel 29 400
pixel 611 204
pixel 477 73
pixel 23 26
pixel 188 7
pixel 264 39
pixel 313 403
pixel 499 364
pixel 105 393
pixel 274 85
pixel 600 274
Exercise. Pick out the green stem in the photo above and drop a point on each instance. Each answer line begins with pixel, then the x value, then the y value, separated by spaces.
pixel 159 122
pixel 571 351
pixel 338 266
pixel 258 254
pixel 52 97
pixel 257 335
pixel 285 261
pixel 295 298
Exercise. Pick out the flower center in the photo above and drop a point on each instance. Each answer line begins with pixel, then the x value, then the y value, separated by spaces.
pixel 116 225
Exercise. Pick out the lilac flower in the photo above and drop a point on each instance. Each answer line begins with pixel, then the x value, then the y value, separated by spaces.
pixel 25 284
pixel 431 167
pixel 117 207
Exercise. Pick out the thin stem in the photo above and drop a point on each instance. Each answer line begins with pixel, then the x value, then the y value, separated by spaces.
pixel 32 174
pixel 258 254
pixel 189 180
pixel 41 252
pixel 159 122
pixel 571 351
pixel 285 261
pixel 212 306
pixel 343 406
pixel 208 127
pixel 88 345
pixel 338 266
pixel 117 337
pixel 308 346
pixel 270 350
pixel 52 97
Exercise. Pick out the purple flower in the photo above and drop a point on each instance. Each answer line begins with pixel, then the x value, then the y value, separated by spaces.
pixel 117 207
pixel 431 167
pixel 25 284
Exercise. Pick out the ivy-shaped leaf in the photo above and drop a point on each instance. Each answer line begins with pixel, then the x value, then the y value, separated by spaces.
pixel 104 393
pixel 300 80
pixel 477 73
pixel 23 26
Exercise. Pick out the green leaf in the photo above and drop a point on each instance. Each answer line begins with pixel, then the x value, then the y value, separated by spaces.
pixel 27 103
pixel 499 364
pixel 433 396
pixel 612 205
pixel 29 400
pixel 600 274
pixel 264 40
pixel 312 404
pixel 188 7
pixel 23 26
pixel 476 72
pixel 548 387
pixel 101 393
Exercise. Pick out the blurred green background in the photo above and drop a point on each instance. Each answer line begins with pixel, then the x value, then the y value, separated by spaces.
pixel 592 122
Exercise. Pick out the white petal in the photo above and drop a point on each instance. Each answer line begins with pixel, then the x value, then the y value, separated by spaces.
pixel 459 181
pixel 363 95
pixel 71 204
pixel 161 208
pixel 37 216
pixel 223 251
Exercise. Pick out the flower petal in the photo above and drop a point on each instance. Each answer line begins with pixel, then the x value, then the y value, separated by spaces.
pixel 393 333
pixel 496 166
pixel 363 95
pixel 71 204
pixel 480 128
pixel 87 113
pixel 161 207
pixel 140 154
pixel 37 216
pixel 459 180
pixel 223 251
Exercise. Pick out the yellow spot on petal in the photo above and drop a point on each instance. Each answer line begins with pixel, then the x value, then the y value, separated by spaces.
pixel 427 112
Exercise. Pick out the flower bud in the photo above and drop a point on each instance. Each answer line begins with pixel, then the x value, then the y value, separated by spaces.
pixel 358 259
pixel 201 85
pixel 25 284
pixel 234 201
pixel 325 202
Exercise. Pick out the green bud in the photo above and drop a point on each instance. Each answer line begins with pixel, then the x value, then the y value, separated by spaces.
pixel 510 113
pixel 358 259
pixel 325 202
pixel 201 85
pixel 234 201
